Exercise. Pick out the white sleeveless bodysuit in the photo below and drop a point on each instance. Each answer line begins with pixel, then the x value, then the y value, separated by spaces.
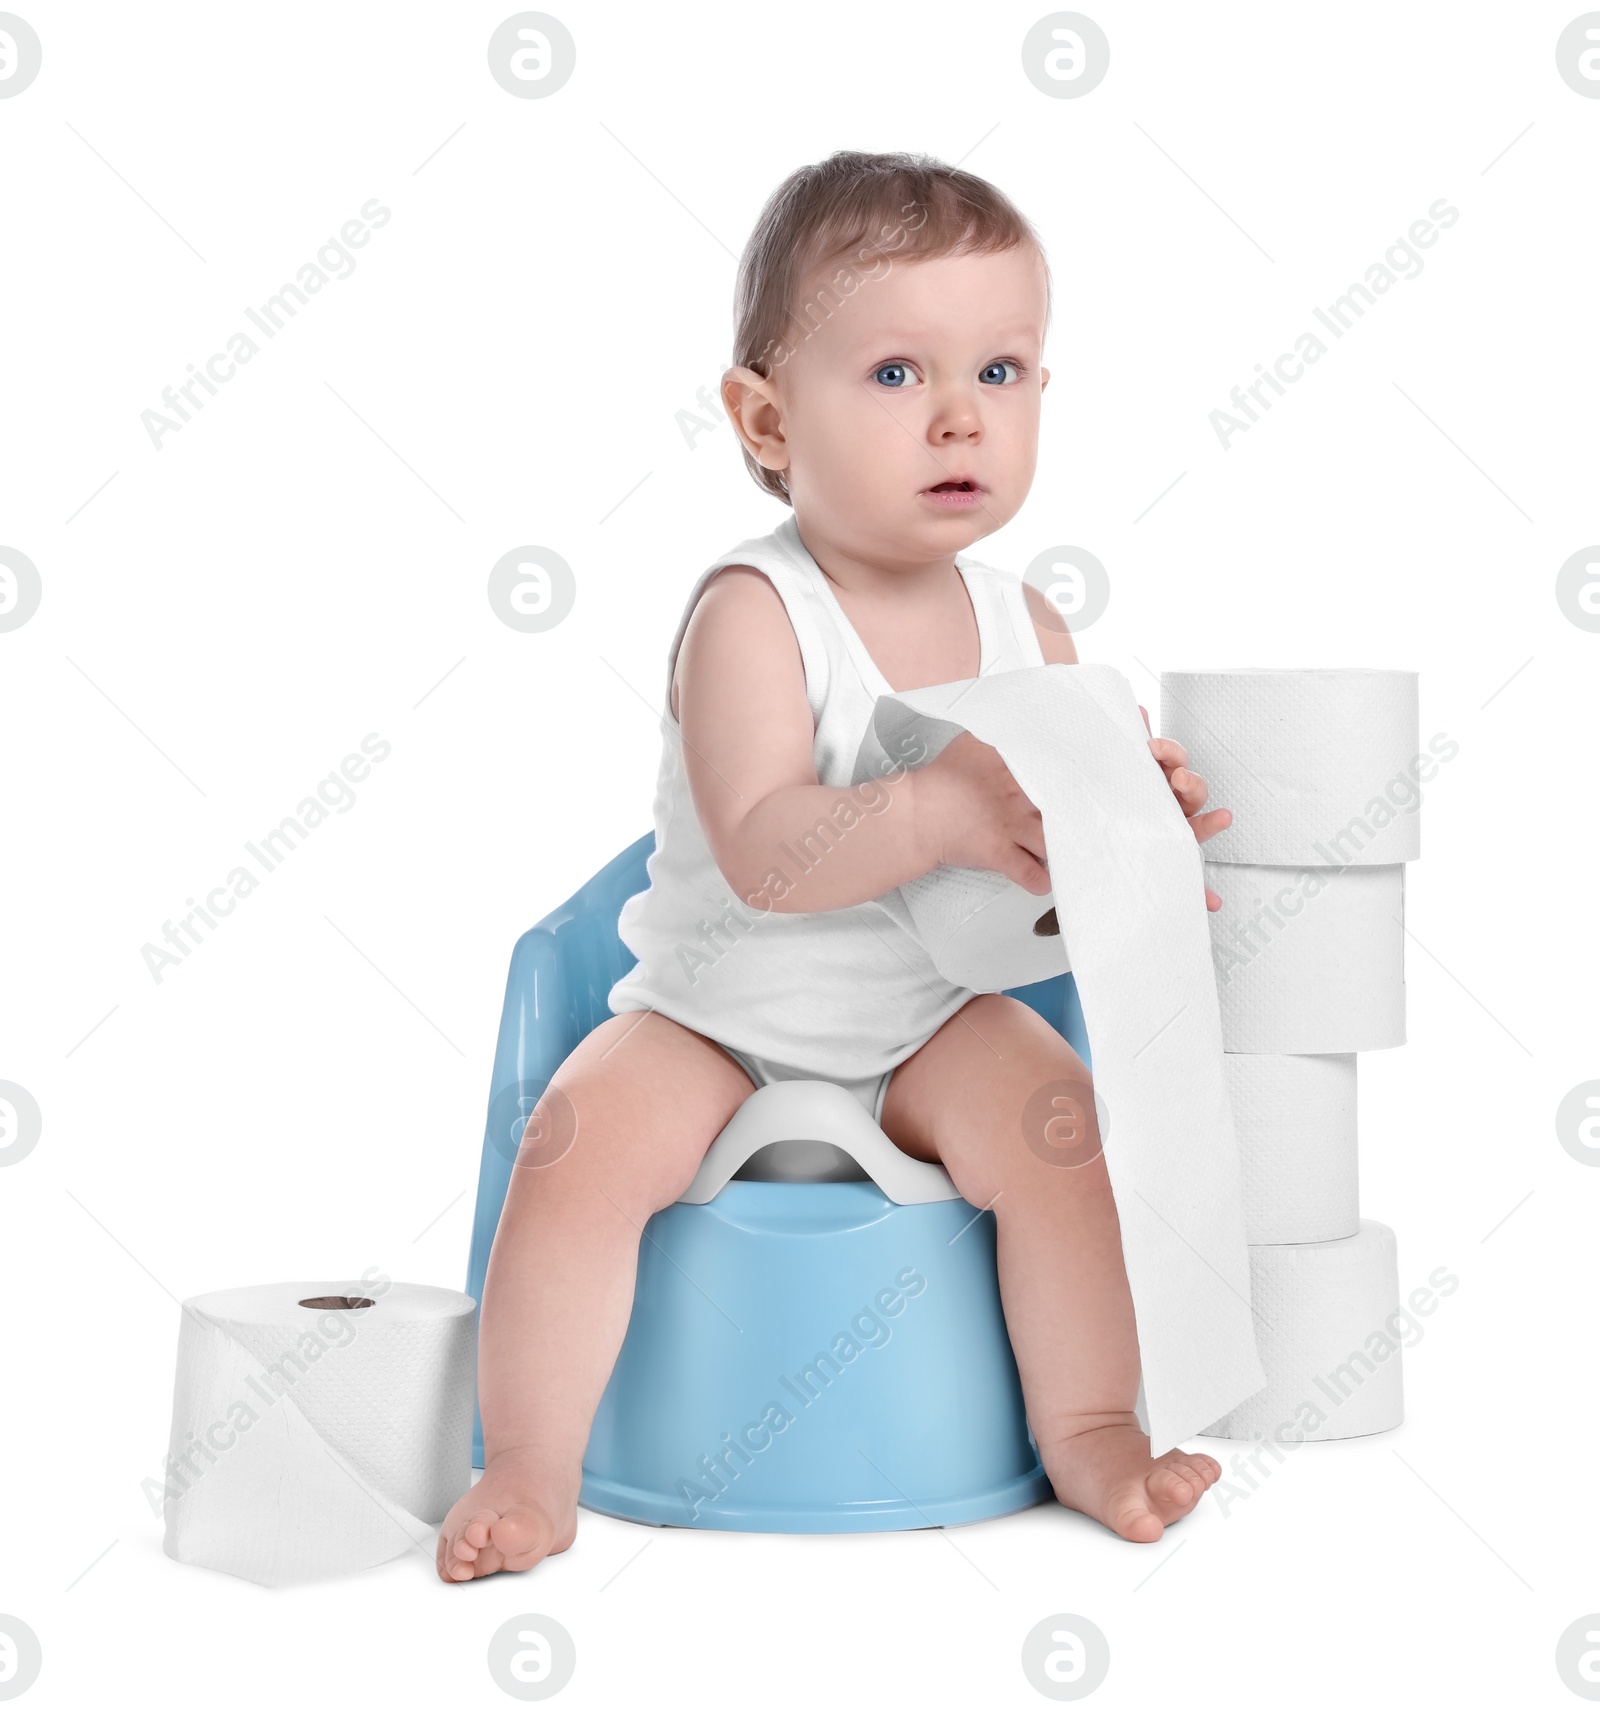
pixel 843 995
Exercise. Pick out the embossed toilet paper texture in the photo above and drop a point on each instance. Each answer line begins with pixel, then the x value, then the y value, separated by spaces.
pixel 1309 960
pixel 981 935
pixel 1315 763
pixel 1128 889
pixel 1295 1118
pixel 1324 1311
pixel 312 1443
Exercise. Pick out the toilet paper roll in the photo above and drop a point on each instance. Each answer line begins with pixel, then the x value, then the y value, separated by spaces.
pixel 981 930
pixel 1130 897
pixel 1319 766
pixel 1295 1118
pixel 1309 960
pixel 984 932
pixel 318 1427
pixel 1324 1318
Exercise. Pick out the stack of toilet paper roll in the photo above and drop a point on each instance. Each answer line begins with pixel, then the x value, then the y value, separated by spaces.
pixel 1322 771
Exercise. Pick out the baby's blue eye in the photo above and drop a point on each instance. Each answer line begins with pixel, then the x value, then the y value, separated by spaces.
pixel 893 375
pixel 996 374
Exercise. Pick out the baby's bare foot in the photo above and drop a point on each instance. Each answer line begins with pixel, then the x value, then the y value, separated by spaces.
pixel 509 1521
pixel 1105 1470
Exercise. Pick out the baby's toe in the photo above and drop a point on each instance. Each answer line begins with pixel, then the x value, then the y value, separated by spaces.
pixel 1175 1490
pixel 1200 1470
pixel 523 1536
pixel 1207 1469
pixel 477 1532
pixel 1134 1521
pixel 460 1551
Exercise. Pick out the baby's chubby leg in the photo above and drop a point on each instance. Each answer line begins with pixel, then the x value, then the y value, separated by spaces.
pixel 619 1134
pixel 1002 1100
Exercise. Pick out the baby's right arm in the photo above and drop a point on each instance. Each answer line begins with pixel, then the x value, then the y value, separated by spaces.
pixel 739 693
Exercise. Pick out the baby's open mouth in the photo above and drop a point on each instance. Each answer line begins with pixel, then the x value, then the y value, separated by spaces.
pixel 955 494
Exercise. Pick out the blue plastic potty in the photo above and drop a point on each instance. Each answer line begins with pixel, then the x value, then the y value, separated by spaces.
pixel 816 1342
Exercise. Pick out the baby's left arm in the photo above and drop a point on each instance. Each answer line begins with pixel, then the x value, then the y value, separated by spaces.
pixel 1187 786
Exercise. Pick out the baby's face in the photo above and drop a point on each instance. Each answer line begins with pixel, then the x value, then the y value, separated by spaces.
pixel 908 422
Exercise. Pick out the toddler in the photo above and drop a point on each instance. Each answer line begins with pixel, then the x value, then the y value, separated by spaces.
pixel 887 384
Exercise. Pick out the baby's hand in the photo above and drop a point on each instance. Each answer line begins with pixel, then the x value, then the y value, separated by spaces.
pixel 1190 791
pixel 971 813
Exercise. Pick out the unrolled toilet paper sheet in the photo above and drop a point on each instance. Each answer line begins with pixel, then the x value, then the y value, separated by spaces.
pixel 1129 895
pixel 312 1442
pixel 1320 766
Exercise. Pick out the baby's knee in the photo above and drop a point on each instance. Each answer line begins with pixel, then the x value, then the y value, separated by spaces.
pixel 1053 1114
pixel 1061 1123
pixel 1022 1029
pixel 594 1134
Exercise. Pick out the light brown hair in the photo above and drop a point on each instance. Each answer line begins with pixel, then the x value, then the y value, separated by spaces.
pixel 863 211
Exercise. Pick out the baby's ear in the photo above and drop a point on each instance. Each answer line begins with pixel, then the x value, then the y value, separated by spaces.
pixel 751 401
pixel 738 383
pixel 1044 379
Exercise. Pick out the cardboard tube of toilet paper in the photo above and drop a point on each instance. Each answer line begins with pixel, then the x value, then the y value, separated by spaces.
pixel 319 1427
pixel 1129 893
pixel 1320 766
pixel 1295 1118
pixel 1331 1336
pixel 1309 960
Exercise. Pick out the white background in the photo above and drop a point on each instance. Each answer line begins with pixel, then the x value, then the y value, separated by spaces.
pixel 229 616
